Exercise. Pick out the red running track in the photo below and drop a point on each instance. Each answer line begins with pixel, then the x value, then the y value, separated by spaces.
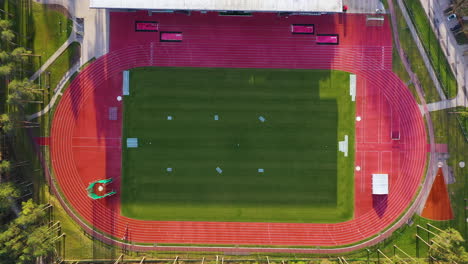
pixel 85 145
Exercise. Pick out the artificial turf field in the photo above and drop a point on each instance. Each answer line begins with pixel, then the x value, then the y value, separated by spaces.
pixel 305 178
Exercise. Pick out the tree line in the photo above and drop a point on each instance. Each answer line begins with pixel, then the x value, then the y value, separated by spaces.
pixel 25 232
pixel 20 91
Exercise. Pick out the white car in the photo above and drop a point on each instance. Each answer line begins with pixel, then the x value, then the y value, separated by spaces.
pixel 451 17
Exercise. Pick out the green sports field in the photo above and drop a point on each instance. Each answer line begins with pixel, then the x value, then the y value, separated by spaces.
pixel 305 113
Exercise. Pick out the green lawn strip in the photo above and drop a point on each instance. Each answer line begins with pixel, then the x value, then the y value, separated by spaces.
pixel 78 244
pixel 194 191
pixel 399 69
pixel 432 46
pixel 405 239
pixel 415 60
pixel 446 124
pixel 50 29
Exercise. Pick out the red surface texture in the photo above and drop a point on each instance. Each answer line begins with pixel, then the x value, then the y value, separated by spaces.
pixel 42 141
pixel 438 203
pixel 86 146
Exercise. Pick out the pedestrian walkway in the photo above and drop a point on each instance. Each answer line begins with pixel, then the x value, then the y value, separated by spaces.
pixel 460 100
pixel 54 56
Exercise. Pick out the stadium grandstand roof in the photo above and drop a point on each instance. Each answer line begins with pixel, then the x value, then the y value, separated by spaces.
pixel 225 5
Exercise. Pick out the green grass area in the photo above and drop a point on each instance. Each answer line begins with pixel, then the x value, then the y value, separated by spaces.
pixel 405 239
pixel 41 28
pixel 415 60
pixel 448 131
pixel 50 29
pixel 79 245
pixel 432 46
pixel 306 179
pixel 399 69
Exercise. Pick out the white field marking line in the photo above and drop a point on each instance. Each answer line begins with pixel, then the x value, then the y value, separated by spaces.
pixel 363 104
pixel 380 119
pixel 391 125
pixel 363 169
pixel 391 168
pixel 352 86
pixel 380 161
pixel 269 233
pixel 383 59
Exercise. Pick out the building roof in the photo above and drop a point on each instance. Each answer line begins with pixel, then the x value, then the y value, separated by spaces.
pixel 228 5
pixel 379 183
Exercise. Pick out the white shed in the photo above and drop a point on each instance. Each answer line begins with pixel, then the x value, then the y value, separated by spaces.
pixel 379 183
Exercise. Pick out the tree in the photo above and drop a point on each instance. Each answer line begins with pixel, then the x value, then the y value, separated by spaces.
pixel 5 24
pixel 13 120
pixel 448 247
pixel 19 54
pixel 4 56
pixel 5 123
pixel 6 69
pixel 21 92
pixel 8 194
pixel 459 6
pixel 5 166
pixel 27 238
pixel 7 35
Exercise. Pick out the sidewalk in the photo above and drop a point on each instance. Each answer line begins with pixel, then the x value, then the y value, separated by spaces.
pixel 52 58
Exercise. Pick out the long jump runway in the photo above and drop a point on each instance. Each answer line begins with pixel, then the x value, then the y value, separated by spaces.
pixel 84 148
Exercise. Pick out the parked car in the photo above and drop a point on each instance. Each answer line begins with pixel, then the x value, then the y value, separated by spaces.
pixel 456 27
pixel 451 17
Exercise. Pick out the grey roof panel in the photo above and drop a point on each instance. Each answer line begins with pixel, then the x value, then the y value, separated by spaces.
pixel 232 5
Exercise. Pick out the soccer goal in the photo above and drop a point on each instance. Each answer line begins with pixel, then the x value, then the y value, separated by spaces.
pixel 375 21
